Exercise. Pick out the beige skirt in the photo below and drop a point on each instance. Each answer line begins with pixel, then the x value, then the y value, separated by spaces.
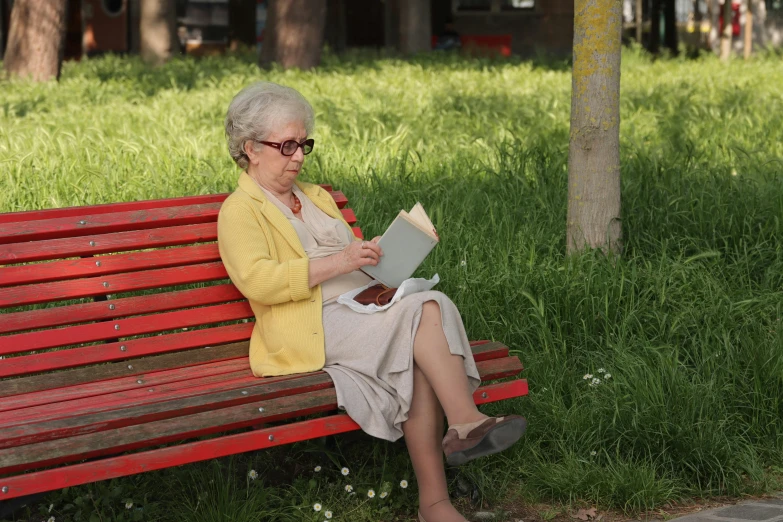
pixel 370 359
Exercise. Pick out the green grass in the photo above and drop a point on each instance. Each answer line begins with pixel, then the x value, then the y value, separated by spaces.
pixel 688 321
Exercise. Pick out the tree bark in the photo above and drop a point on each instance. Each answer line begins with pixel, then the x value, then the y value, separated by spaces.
pixel 242 23
pixel 726 34
pixel 655 27
pixel 158 30
pixel 594 152
pixel 670 26
pixel 415 26
pixel 294 33
pixel 36 39
pixel 639 21
pixel 748 47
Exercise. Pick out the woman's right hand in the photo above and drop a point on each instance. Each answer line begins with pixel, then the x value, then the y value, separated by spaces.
pixel 359 254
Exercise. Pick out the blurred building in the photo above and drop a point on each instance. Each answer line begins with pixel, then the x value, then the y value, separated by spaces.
pixel 523 27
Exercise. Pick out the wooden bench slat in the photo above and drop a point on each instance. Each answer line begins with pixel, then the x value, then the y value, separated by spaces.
pixel 107 243
pixel 93 244
pixel 118 222
pixel 69 427
pixel 216 447
pixel 181 403
pixel 109 208
pixel 145 324
pixel 143 392
pixel 90 374
pixel 136 392
pixel 193 380
pixel 109 264
pixel 32 215
pixel 129 381
pixel 357 232
pixel 113 222
pixel 117 308
pixel 111 284
pixel 158 344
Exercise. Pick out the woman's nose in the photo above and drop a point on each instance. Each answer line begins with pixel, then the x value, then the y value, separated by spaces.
pixel 298 155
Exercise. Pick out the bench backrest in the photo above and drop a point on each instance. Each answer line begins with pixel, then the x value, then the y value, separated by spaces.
pixel 87 285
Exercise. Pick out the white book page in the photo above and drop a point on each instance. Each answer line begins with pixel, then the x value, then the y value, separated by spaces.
pixel 420 218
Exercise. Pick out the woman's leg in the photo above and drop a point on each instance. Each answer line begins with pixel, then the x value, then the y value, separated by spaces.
pixel 423 433
pixel 444 372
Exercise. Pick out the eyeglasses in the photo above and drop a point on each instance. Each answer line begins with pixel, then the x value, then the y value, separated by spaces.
pixel 288 147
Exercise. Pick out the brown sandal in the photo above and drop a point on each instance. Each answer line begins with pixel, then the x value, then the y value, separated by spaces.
pixel 465 442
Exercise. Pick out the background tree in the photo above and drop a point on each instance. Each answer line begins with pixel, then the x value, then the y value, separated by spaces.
pixel 294 33
pixel 415 26
pixel 748 48
pixel 594 152
pixel 158 30
pixel 669 25
pixel 726 31
pixel 36 39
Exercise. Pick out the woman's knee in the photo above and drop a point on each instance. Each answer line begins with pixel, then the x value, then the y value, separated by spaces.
pixel 431 309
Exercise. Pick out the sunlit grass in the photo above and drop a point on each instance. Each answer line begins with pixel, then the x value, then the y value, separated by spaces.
pixel 687 321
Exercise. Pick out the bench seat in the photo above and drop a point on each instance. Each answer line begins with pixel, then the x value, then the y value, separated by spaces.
pixel 120 332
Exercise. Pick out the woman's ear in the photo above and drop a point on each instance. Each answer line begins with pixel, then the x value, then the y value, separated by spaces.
pixel 251 153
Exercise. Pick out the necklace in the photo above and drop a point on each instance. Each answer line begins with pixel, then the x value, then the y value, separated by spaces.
pixel 296 208
pixel 297 204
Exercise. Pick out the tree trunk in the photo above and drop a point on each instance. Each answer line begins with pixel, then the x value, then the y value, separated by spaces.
pixel 726 34
pixel 594 151
pixel 712 17
pixel 670 29
pixel 294 33
pixel 415 26
pixel 655 26
pixel 639 21
pixel 242 23
pixel 748 30
pixel 36 39
pixel 158 30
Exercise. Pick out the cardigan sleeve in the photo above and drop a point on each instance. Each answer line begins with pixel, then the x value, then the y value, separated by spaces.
pixel 244 248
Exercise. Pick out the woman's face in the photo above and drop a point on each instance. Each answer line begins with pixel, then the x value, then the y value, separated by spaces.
pixel 269 166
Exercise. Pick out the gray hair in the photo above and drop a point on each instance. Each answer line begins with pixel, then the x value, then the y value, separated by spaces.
pixel 258 110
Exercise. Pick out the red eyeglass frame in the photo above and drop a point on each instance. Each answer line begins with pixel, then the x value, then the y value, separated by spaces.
pixel 279 146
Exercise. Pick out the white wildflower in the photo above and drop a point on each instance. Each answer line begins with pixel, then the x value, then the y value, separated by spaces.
pixel 463 263
pixel 384 494
pixel 593 453
pixel 348 488
pixel 601 370
pixel 608 376
pixel 328 514
pixel 588 376
pixel 403 484
pixel 345 471
pixel 252 474
pixel 317 507
pixel 317 469
pixel 51 506
pixel 128 505
pixel 51 519
pixel 371 493
pixel 595 382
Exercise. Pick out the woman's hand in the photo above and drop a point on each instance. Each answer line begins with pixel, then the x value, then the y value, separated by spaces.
pixel 359 254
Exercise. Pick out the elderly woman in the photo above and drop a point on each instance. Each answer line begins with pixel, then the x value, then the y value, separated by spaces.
pixel 287 248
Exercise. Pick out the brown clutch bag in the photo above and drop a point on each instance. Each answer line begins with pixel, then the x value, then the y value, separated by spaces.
pixel 378 295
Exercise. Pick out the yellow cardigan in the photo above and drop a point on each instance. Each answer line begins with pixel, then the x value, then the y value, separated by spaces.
pixel 266 261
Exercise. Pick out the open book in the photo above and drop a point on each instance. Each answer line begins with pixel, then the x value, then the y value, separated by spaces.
pixel 405 244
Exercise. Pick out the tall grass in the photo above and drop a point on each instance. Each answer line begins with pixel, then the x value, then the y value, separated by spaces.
pixel 687 321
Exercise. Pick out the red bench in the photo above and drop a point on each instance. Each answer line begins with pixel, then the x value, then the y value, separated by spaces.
pixel 120 331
